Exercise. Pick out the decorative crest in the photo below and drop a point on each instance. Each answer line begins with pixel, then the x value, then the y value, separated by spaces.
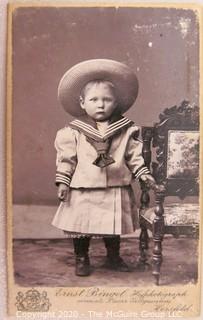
pixel 32 301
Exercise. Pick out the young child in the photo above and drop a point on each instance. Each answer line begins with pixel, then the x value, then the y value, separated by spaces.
pixel 98 156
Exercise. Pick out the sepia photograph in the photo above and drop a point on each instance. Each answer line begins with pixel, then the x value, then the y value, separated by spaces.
pixel 103 136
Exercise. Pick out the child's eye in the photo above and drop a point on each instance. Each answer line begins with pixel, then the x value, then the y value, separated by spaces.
pixel 93 99
pixel 108 99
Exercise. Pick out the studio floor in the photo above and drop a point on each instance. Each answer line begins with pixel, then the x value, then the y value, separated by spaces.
pixel 51 263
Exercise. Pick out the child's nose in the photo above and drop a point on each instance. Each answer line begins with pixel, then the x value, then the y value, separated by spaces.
pixel 100 103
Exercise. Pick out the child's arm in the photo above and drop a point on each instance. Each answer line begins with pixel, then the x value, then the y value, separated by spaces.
pixel 135 162
pixel 63 192
pixel 66 160
pixel 149 181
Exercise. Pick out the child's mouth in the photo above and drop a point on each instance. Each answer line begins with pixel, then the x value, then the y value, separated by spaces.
pixel 100 112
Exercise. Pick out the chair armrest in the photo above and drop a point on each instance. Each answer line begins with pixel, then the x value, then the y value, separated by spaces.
pixel 145 197
pixel 159 188
pixel 158 224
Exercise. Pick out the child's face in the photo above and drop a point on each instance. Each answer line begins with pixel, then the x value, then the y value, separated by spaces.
pixel 99 101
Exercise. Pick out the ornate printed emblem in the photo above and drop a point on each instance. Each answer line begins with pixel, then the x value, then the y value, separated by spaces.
pixel 32 301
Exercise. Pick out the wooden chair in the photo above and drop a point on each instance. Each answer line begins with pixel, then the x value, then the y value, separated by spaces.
pixel 176 171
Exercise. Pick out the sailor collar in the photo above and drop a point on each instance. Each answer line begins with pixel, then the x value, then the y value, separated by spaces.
pixel 88 126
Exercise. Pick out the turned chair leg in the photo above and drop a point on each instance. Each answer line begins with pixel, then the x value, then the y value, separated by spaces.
pixel 157 257
pixel 158 234
pixel 143 247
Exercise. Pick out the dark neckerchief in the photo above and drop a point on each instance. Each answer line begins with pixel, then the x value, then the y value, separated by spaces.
pixel 88 127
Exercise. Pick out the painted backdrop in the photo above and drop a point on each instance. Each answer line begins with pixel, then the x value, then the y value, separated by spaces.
pixel 159 44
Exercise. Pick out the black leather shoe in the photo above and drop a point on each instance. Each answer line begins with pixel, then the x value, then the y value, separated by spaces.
pixel 82 267
pixel 117 264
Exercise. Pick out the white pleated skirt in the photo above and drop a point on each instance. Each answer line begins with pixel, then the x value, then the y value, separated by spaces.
pixel 98 212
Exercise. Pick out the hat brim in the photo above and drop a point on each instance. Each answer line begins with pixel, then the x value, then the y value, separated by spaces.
pixel 74 80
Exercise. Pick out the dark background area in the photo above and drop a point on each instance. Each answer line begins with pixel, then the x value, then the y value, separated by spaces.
pixel 159 44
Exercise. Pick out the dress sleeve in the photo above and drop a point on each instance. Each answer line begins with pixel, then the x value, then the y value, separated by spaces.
pixel 66 159
pixel 134 158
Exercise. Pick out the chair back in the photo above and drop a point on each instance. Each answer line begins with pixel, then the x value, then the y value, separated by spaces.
pixel 176 139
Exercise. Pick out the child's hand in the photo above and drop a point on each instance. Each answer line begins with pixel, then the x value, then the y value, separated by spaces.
pixel 63 191
pixel 149 181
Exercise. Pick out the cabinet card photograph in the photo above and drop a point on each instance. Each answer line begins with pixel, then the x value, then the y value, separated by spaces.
pixel 103 136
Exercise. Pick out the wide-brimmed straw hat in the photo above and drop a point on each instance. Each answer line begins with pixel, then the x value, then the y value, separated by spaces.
pixel 74 80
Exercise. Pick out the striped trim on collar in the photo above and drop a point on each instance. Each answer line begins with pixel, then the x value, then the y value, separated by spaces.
pixel 87 127
pixel 90 131
pixel 114 127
